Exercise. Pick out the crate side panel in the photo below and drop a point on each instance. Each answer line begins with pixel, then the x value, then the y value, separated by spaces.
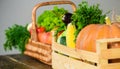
pixel 62 62
pixel 81 54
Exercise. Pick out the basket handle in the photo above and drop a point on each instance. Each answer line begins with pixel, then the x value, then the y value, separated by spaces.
pixel 34 34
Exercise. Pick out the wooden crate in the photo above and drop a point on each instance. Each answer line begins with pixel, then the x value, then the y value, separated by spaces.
pixel 67 58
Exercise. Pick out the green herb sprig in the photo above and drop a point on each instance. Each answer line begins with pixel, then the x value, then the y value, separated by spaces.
pixel 86 14
pixel 16 37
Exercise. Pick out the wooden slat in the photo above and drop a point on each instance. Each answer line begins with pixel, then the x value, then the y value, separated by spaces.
pixel 44 59
pixel 111 66
pixel 69 63
pixel 65 50
pixel 38 50
pixel 109 40
pixel 40 45
pixel 110 53
pixel 89 56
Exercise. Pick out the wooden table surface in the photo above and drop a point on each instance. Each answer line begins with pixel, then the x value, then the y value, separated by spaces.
pixel 19 61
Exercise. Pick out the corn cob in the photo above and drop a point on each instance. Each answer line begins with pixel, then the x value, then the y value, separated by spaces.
pixel 108 21
pixel 70 37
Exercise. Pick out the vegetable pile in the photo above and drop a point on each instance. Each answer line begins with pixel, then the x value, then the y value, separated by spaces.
pixel 83 16
pixel 52 20
pixel 67 26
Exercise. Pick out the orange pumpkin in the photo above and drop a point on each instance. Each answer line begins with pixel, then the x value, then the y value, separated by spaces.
pixel 86 39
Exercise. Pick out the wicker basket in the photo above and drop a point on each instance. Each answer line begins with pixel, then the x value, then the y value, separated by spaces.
pixel 36 49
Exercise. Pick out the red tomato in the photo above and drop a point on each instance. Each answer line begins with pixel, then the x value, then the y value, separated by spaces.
pixel 40 29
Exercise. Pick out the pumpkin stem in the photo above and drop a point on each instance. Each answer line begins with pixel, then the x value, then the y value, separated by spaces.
pixel 108 21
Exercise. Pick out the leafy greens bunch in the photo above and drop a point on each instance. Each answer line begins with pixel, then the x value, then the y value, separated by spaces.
pixel 17 36
pixel 52 18
pixel 85 15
